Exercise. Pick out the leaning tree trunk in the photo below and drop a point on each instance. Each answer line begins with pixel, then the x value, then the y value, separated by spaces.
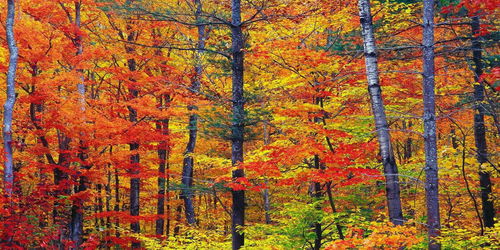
pixel 188 164
pixel 384 138
pixel 11 99
pixel 479 126
pixel 237 127
pixel 431 166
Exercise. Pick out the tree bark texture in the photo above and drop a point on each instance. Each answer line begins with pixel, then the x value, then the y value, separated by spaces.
pixel 479 126
pixel 188 163
pixel 76 221
pixel 163 150
pixel 134 146
pixel 382 127
pixel 429 118
pixel 10 100
pixel 237 127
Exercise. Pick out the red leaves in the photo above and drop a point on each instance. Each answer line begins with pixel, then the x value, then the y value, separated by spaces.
pixel 339 177
pixel 492 78
pixel 473 7
pixel 240 183
pixel 81 196
pixel 347 154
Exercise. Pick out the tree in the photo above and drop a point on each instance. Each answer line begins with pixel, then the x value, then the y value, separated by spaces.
pixel 479 126
pixel 76 220
pixel 178 93
pixel 238 119
pixel 382 128
pixel 429 117
pixel 10 101
pixel 188 163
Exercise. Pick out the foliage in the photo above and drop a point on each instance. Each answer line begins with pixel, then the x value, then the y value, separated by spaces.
pixel 310 141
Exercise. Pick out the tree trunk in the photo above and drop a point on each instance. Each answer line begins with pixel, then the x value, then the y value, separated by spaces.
pixel 60 179
pixel 167 191
pixel 334 209
pixel 76 221
pixel 479 126
pixel 384 138
pixel 431 166
pixel 265 195
pixel 116 208
pixel 134 146
pixel 237 128
pixel 163 150
pixel 317 194
pixel 107 187
pixel 408 143
pixel 188 164
pixel 10 100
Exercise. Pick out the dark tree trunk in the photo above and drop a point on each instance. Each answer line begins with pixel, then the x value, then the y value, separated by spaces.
pixel 334 209
pixel 134 146
pixel 134 182
pixel 408 143
pixel 163 150
pixel 60 179
pixel 76 222
pixel 10 100
pixel 317 194
pixel 390 168
pixel 479 126
pixel 188 164
pixel 116 208
pixel 167 191
pixel 431 165
pixel 100 204
pixel 265 195
pixel 237 127
pixel 107 187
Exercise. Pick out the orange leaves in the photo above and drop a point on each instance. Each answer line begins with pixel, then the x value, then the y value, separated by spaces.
pixel 339 176
pixel 378 235
pixel 263 168
pixel 304 83
pixel 72 31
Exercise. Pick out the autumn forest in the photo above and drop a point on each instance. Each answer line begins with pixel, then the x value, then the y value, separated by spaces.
pixel 250 124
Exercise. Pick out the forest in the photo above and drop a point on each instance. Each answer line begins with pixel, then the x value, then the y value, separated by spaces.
pixel 250 124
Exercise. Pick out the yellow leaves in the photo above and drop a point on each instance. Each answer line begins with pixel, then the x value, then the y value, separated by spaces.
pixel 191 238
pixel 4 56
pixel 460 237
pixel 395 15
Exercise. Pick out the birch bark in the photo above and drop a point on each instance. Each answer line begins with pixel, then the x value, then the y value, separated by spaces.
pixel 10 100
pixel 384 138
